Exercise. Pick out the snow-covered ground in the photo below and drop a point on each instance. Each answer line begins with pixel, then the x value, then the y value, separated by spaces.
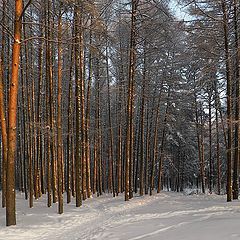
pixel 167 216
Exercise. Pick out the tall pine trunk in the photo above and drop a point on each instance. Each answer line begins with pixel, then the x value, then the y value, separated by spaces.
pixel 12 118
pixel 2 111
pixel 229 103
pixel 59 117
pixel 237 105
pixel 130 104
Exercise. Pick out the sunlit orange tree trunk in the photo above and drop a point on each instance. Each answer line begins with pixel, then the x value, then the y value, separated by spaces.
pixel 12 117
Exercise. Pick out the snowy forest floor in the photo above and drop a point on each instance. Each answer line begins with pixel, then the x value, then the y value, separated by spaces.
pixel 168 216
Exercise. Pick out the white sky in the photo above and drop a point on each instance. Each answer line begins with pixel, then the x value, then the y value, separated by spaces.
pixel 180 11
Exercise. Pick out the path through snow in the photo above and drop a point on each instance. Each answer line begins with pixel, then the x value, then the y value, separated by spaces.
pixel 167 216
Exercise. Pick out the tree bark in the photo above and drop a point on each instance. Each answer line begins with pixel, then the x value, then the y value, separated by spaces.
pixel 237 105
pixel 130 104
pixel 163 142
pixel 201 161
pixel 59 117
pixel 142 122
pixel 218 143
pixel 12 118
pixel 2 112
pixel 229 103
pixel 78 72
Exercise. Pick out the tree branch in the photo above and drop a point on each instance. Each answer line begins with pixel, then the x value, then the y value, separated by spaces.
pixel 25 8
